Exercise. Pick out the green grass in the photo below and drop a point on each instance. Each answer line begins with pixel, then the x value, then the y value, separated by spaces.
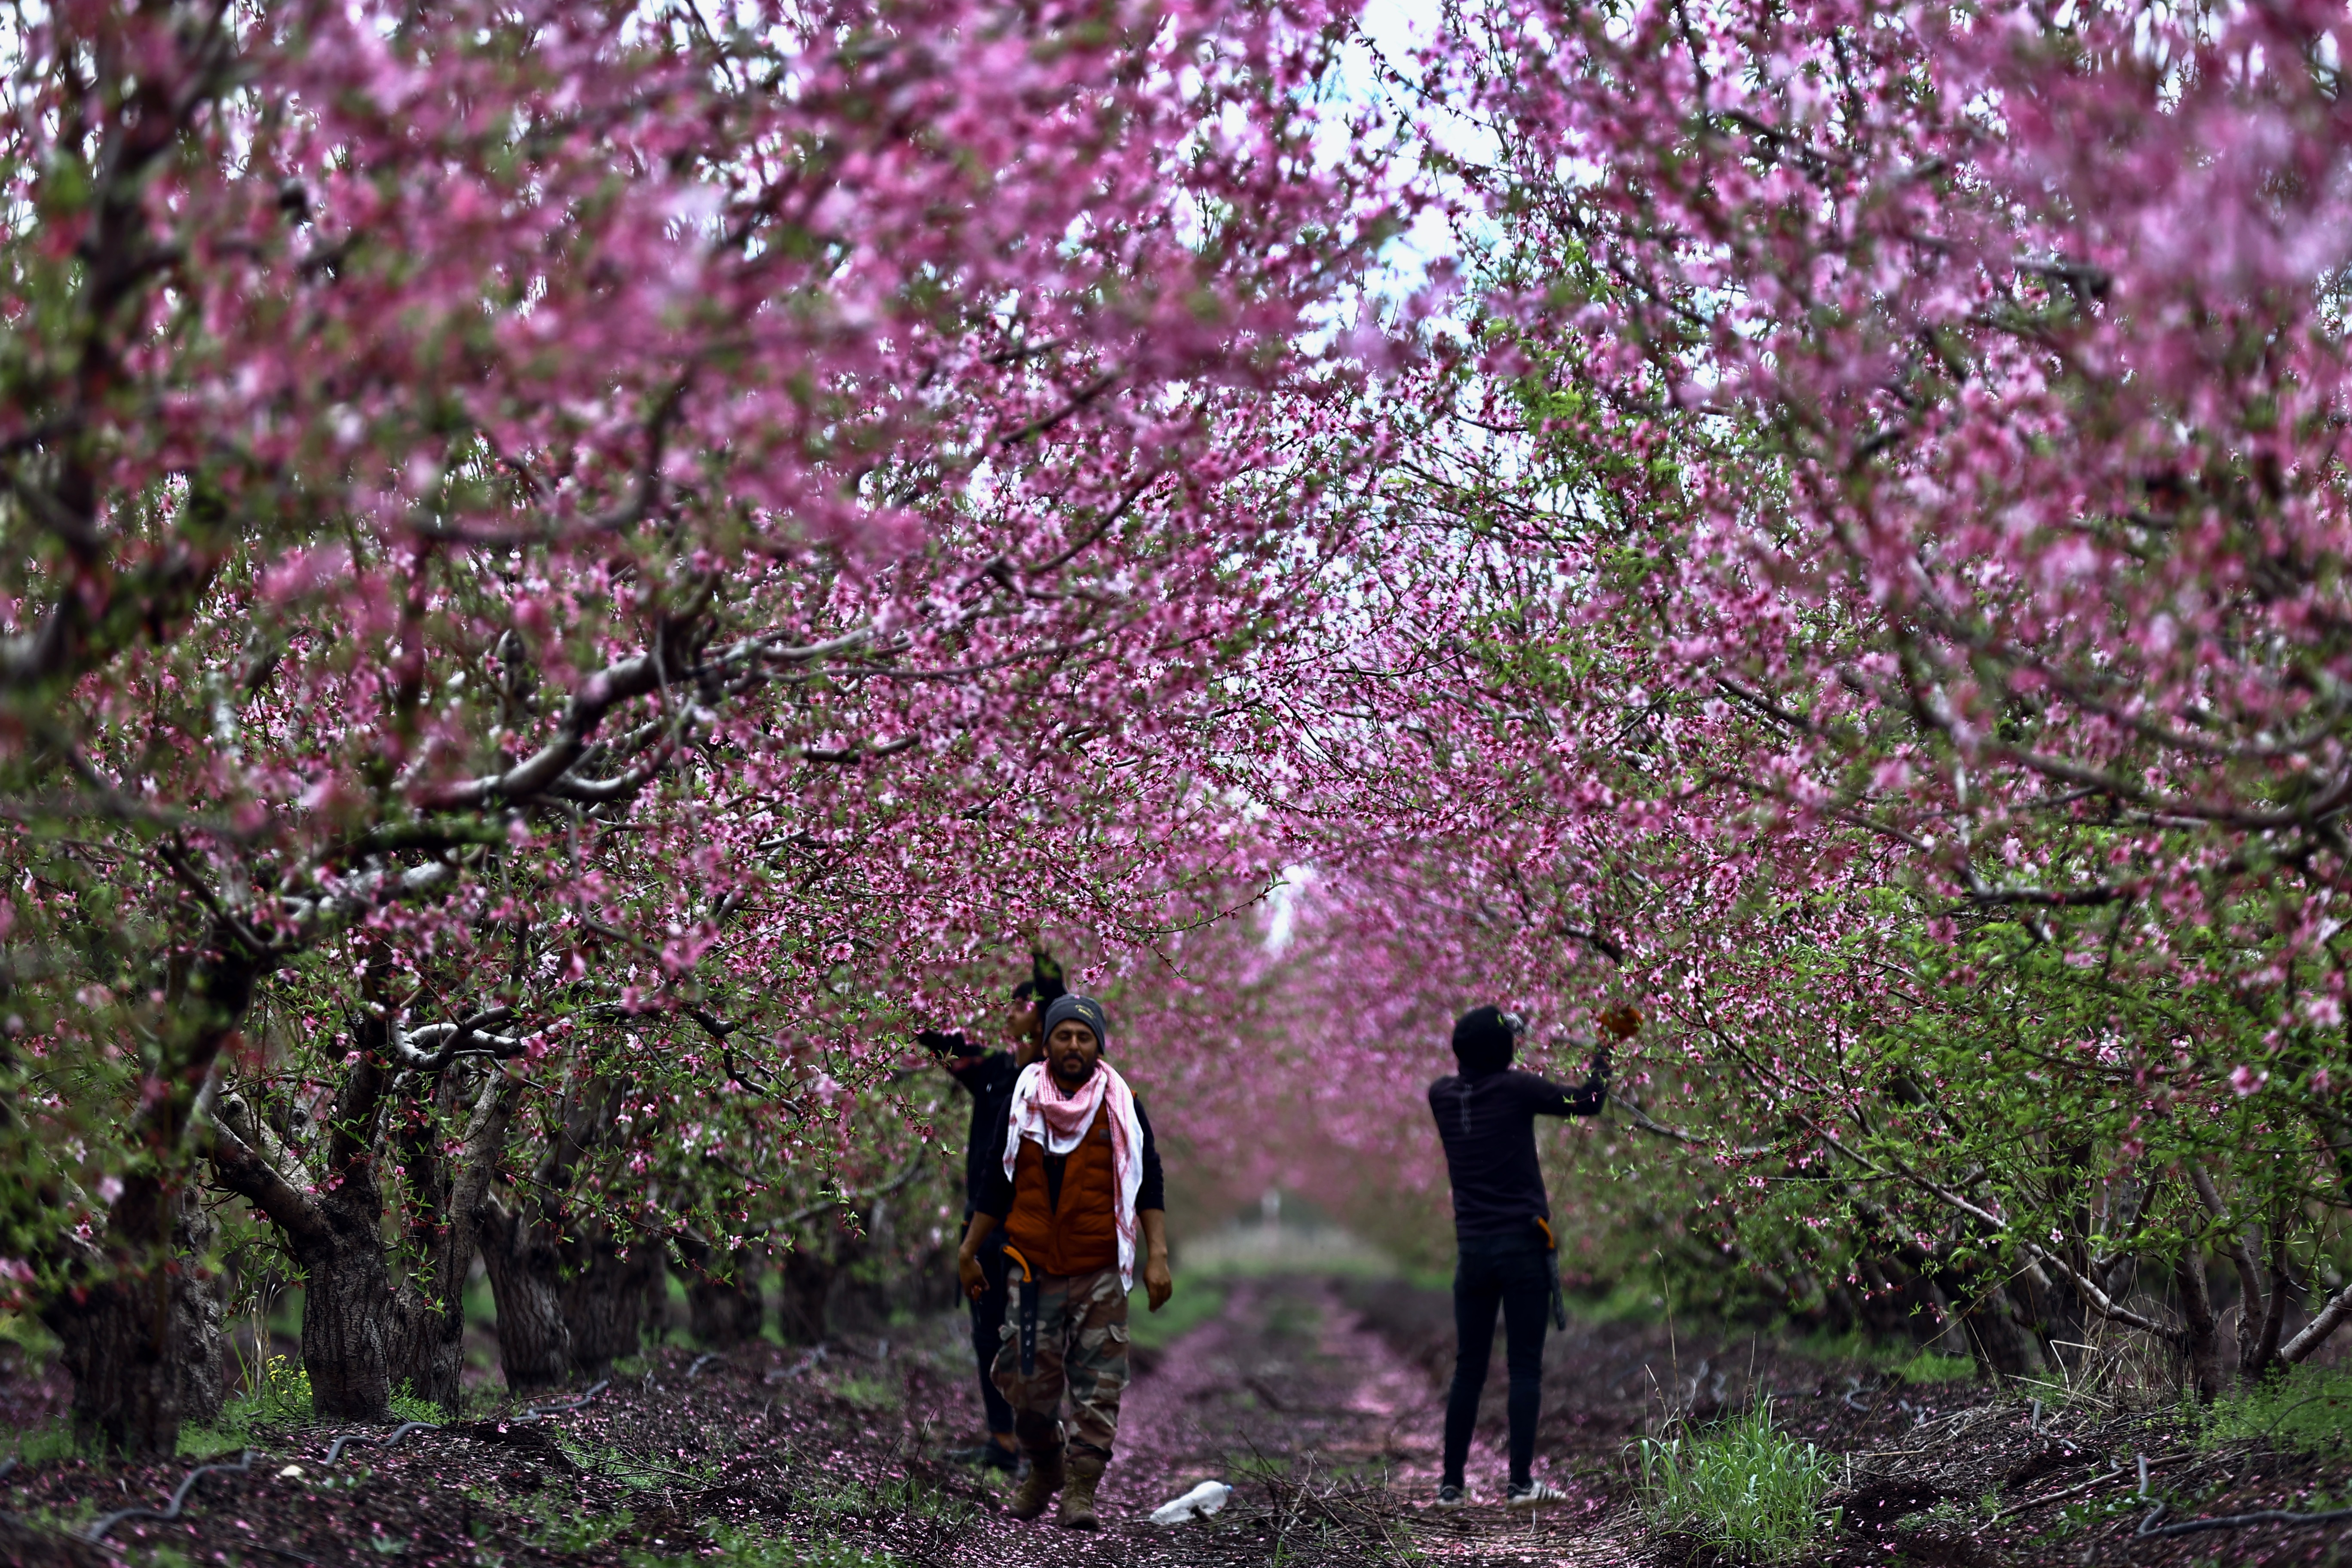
pixel 1195 1302
pixel 1632 1299
pixel 407 1406
pixel 54 1441
pixel 832 1504
pixel 870 1392
pixel 30 1335
pixel 1743 1487
pixel 751 1549
pixel 280 1397
pixel 567 1532
pixel 635 1471
pixel 2307 1410
pixel 1929 1367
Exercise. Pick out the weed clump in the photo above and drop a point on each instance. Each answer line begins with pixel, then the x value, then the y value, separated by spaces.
pixel 2307 1410
pixel 409 1405
pixel 1743 1488
pixel 1928 1367
pixel 279 1399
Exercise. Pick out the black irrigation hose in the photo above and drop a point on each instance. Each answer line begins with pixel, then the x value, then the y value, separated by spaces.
pixel 533 1413
pixel 2147 1527
pixel 171 1512
pixel 335 1450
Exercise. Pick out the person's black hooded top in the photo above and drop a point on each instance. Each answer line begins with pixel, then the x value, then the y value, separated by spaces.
pixel 1486 1118
pixel 990 1079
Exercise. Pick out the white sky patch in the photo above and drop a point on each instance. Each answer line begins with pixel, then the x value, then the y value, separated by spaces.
pixel 1284 902
pixel 1389 35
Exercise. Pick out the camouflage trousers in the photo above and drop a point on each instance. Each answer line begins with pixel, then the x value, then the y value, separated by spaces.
pixel 1081 1351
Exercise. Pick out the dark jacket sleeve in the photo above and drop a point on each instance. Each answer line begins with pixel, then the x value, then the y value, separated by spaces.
pixel 989 1079
pixel 989 1191
pixel 1548 1099
pixel 1153 1194
pixel 992 1074
pixel 996 1196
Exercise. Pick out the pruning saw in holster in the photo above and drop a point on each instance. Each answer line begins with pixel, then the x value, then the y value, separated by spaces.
pixel 1559 1300
pixel 1028 1312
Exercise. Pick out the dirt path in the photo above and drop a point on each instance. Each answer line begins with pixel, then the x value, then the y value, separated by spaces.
pixel 1316 1399
pixel 833 1460
pixel 1329 1435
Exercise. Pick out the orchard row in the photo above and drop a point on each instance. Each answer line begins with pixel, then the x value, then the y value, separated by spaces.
pixel 573 574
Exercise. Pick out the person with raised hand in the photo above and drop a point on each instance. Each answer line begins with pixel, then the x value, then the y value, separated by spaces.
pixel 1508 1252
pixel 1079 1196
pixel 988 1076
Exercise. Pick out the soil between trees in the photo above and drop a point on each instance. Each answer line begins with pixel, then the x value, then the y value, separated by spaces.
pixel 1318 1400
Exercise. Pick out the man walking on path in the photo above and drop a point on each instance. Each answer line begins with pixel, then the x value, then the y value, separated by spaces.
pixel 1078 1196
pixel 1508 1253
pixel 989 1077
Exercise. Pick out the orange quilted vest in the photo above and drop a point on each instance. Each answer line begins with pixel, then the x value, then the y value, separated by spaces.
pixel 1082 1234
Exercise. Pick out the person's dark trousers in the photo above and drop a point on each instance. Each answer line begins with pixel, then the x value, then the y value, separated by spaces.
pixel 988 1310
pixel 1515 1273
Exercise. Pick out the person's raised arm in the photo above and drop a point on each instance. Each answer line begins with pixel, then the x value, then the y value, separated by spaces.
pixel 1549 1099
pixel 948 1050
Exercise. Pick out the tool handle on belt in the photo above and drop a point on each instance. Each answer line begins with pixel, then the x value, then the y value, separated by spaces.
pixel 1559 1300
pixel 1028 1312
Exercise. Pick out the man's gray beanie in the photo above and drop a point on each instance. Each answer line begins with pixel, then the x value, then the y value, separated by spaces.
pixel 1085 1009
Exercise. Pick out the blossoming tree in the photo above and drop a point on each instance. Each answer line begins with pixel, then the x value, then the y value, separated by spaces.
pixel 1880 563
pixel 520 518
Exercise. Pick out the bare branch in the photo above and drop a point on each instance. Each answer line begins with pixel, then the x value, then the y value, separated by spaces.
pixel 435 1046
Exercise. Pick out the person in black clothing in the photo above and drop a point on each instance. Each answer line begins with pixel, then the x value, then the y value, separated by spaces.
pixel 1502 1226
pixel 988 1076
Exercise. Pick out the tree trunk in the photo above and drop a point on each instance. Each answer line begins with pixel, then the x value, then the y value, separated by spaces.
pixel 199 1307
pixel 121 1344
pixel 428 1347
pixel 577 1302
pixel 144 1346
pixel 2201 1340
pixel 348 1325
pixel 2263 1355
pixel 443 1230
pixel 534 1344
pixel 363 1334
pixel 805 1283
pixel 140 1325
pixel 604 1295
pixel 2259 1314
pixel 2005 1346
pixel 721 1312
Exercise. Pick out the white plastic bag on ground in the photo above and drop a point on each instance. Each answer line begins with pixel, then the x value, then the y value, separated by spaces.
pixel 1201 1502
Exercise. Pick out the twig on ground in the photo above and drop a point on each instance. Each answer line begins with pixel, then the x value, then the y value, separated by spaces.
pixel 2147 1527
pixel 2092 1485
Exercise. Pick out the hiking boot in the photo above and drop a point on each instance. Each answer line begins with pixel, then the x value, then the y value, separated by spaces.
pixel 1037 1488
pixel 1079 1493
pixel 1450 1496
pixel 1527 1494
